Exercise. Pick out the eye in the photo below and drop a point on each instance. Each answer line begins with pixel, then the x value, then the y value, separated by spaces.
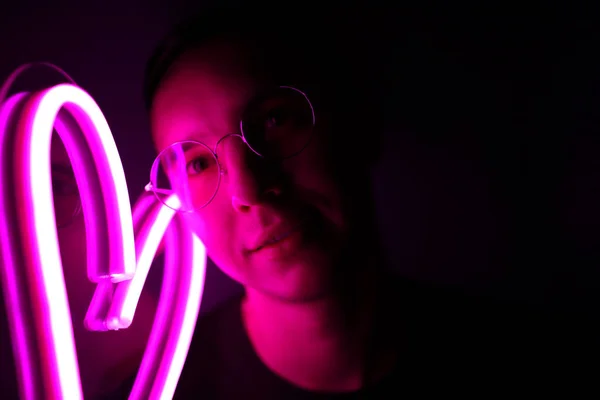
pixel 197 165
pixel 276 118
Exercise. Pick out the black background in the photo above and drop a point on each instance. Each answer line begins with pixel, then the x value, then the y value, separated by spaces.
pixel 490 174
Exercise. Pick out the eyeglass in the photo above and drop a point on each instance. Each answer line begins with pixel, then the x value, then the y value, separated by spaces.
pixel 278 124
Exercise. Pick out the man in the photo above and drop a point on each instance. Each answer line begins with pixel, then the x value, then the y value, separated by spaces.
pixel 266 125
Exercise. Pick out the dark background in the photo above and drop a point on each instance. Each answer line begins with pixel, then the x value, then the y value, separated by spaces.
pixel 490 175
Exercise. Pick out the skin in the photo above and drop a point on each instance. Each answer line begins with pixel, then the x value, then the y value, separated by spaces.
pixel 203 99
pixel 293 310
pixel 105 358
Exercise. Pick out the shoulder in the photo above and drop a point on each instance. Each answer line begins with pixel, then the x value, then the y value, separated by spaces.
pixel 219 340
pixel 449 324
pixel 446 302
pixel 216 332
pixel 218 322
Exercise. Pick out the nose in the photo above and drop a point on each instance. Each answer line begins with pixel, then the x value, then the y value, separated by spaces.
pixel 252 180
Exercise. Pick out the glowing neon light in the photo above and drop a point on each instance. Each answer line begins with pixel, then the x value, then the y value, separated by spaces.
pixel 32 275
pixel 21 318
pixel 181 294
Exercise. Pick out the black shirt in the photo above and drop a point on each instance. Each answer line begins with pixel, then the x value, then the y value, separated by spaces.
pixel 446 343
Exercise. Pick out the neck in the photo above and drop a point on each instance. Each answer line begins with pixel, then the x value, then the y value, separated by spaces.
pixel 317 345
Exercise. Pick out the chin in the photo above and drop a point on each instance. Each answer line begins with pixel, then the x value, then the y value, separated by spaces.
pixel 301 282
pixel 295 294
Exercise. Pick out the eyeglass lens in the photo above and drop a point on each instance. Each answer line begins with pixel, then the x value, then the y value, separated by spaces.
pixel 278 125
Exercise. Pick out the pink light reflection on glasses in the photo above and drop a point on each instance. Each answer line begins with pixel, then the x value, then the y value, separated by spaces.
pixel 32 274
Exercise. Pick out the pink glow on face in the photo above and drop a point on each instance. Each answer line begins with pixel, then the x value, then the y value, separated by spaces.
pixel 32 273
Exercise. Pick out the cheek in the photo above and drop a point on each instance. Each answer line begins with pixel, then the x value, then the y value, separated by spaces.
pixel 311 168
pixel 315 180
pixel 216 226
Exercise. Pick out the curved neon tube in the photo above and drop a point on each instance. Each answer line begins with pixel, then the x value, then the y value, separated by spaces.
pixel 179 305
pixel 21 318
pixel 32 275
pixel 28 152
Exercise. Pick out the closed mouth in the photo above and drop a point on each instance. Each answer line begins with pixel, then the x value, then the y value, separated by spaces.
pixel 278 238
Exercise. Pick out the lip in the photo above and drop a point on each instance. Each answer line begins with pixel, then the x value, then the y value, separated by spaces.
pixel 275 236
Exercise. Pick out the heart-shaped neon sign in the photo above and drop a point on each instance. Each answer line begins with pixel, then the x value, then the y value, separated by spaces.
pixel 121 247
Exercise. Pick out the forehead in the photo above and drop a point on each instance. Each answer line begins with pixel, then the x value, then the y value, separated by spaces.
pixel 205 92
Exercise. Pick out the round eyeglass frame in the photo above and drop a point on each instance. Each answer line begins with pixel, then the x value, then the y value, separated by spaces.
pixel 155 164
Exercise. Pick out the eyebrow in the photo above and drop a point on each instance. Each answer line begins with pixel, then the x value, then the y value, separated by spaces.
pixel 196 137
pixel 207 138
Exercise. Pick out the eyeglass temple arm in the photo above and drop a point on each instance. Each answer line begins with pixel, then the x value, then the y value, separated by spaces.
pixel 150 188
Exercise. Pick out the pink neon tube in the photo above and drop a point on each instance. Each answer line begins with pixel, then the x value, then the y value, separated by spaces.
pixel 32 277
pixel 181 294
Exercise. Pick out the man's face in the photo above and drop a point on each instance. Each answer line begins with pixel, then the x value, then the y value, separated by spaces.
pixel 275 226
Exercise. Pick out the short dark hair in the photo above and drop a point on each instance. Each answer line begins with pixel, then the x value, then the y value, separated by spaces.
pixel 320 35
pixel 332 50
